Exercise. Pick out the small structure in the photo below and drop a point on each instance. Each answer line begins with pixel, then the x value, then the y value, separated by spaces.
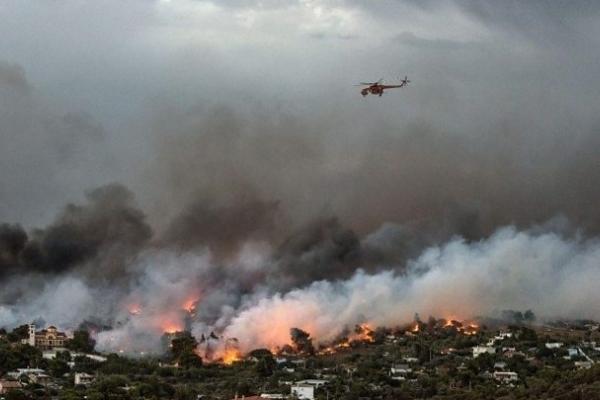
pixel 399 372
pixel 51 354
pixel 81 378
pixel 500 366
pixel 25 372
pixel 503 335
pixel 479 350
pixel 553 345
pixel 40 379
pixel 316 383
pixel 506 376
pixel 8 385
pixel 573 352
pixel 303 391
pixel 583 364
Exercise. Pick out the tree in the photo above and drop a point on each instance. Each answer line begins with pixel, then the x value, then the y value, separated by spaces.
pixel 264 366
pixel 529 316
pixel 190 359
pixel 182 343
pixel 260 353
pixel 302 341
pixel 81 342
pixel 58 368
pixel 15 395
pixel 20 332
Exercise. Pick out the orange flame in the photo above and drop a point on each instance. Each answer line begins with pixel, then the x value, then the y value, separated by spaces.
pixel 231 355
pixel 190 305
pixel 362 333
pixel 170 328
pixel 134 309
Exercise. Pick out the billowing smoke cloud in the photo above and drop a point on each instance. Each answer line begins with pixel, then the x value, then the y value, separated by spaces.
pixel 510 270
pixel 106 233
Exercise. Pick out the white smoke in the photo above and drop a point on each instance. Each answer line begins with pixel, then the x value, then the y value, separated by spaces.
pixel 554 276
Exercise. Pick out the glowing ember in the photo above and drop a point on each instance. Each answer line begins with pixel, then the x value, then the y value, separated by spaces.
pixel 363 333
pixel 190 305
pixel 171 329
pixel 135 310
pixel 465 328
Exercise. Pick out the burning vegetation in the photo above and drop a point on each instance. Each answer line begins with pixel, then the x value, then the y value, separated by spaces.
pixel 213 348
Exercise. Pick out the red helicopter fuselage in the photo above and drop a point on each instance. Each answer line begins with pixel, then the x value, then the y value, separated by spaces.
pixel 378 89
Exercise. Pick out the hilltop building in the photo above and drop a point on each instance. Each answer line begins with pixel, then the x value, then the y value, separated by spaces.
pixel 46 339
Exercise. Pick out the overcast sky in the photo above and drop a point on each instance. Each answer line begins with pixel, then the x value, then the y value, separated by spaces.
pixel 93 92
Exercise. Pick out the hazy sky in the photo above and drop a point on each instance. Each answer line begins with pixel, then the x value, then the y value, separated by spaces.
pixel 92 90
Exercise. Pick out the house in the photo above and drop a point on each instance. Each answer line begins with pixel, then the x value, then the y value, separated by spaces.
pixel 553 345
pixel 573 352
pixel 479 350
pixel 500 366
pixel 313 382
pixel 510 352
pixel 400 371
pixel 506 376
pixel 51 355
pixel 40 379
pixel 391 339
pixel 303 391
pixel 81 378
pixel 8 385
pixel 247 397
pixel 583 364
pixel 25 372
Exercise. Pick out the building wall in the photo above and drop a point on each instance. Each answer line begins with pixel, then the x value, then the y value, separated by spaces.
pixel 304 392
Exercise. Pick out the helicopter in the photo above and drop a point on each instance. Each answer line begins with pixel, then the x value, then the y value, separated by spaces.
pixel 378 87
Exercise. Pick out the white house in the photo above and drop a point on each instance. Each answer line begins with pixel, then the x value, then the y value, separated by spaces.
pixel 312 382
pixel 503 335
pixel 506 376
pixel 573 352
pixel 25 372
pixel 81 378
pixel 500 366
pixel 303 391
pixel 399 372
pixel 479 350
pixel 583 364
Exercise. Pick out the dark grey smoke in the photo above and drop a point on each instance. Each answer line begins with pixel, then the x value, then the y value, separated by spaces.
pixel 12 242
pixel 321 250
pixel 107 232
pixel 220 227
